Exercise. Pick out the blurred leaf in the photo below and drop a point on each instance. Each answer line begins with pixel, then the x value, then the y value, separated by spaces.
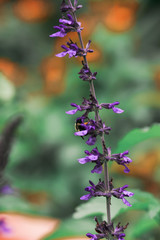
pixel 154 212
pixel 72 227
pixel 138 135
pixel 7 89
pixel 143 225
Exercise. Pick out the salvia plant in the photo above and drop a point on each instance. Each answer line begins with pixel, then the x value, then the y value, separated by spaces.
pixel 93 128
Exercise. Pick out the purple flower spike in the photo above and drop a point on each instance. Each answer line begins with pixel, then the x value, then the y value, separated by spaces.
pixel 112 106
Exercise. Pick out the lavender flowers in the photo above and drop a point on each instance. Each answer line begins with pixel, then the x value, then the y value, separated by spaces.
pixel 91 129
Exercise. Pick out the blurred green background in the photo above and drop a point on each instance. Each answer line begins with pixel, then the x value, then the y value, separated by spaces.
pixel 34 83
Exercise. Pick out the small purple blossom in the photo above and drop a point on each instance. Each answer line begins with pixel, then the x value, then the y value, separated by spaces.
pixel 95 190
pixel 112 106
pixel 121 194
pixel 86 75
pixel 87 105
pixel 121 159
pixel 67 24
pixel 105 230
pixel 118 231
pixel 73 50
pixel 67 8
pixel 95 157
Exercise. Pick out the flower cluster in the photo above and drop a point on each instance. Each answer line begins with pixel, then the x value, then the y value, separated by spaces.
pixel 105 230
pixel 74 51
pixel 98 158
pixel 100 190
pixel 67 24
pixel 92 128
pixel 85 73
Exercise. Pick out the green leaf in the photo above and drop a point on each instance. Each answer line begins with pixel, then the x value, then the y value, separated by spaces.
pixel 7 89
pixel 138 135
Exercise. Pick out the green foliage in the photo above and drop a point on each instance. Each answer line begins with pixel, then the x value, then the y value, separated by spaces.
pixel 137 136
pixel 72 227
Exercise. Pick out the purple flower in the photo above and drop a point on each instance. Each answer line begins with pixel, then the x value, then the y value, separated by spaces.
pixel 86 74
pixel 95 157
pixel 95 190
pixel 73 50
pixel 87 105
pixel 105 230
pixel 121 159
pixel 95 236
pixel 100 190
pixel 78 108
pixel 121 194
pixel 93 129
pixel 3 227
pixel 67 8
pixel 118 231
pixel 112 106
pixel 67 25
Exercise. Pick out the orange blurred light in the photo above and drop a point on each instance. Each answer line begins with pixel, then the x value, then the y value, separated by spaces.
pixel 53 72
pixel 157 78
pixel 12 71
pixel 33 10
pixel 120 15
pixel 89 22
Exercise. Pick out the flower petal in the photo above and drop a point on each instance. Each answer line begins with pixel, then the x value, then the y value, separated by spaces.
pixel 86 197
pixel 83 160
pixel 72 111
pixel 58 34
pixel 117 110
pixel 126 202
pixel 81 133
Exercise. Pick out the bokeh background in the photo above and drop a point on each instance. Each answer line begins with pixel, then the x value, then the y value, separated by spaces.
pixel 43 165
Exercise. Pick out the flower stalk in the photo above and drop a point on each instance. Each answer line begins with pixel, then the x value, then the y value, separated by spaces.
pixel 93 127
